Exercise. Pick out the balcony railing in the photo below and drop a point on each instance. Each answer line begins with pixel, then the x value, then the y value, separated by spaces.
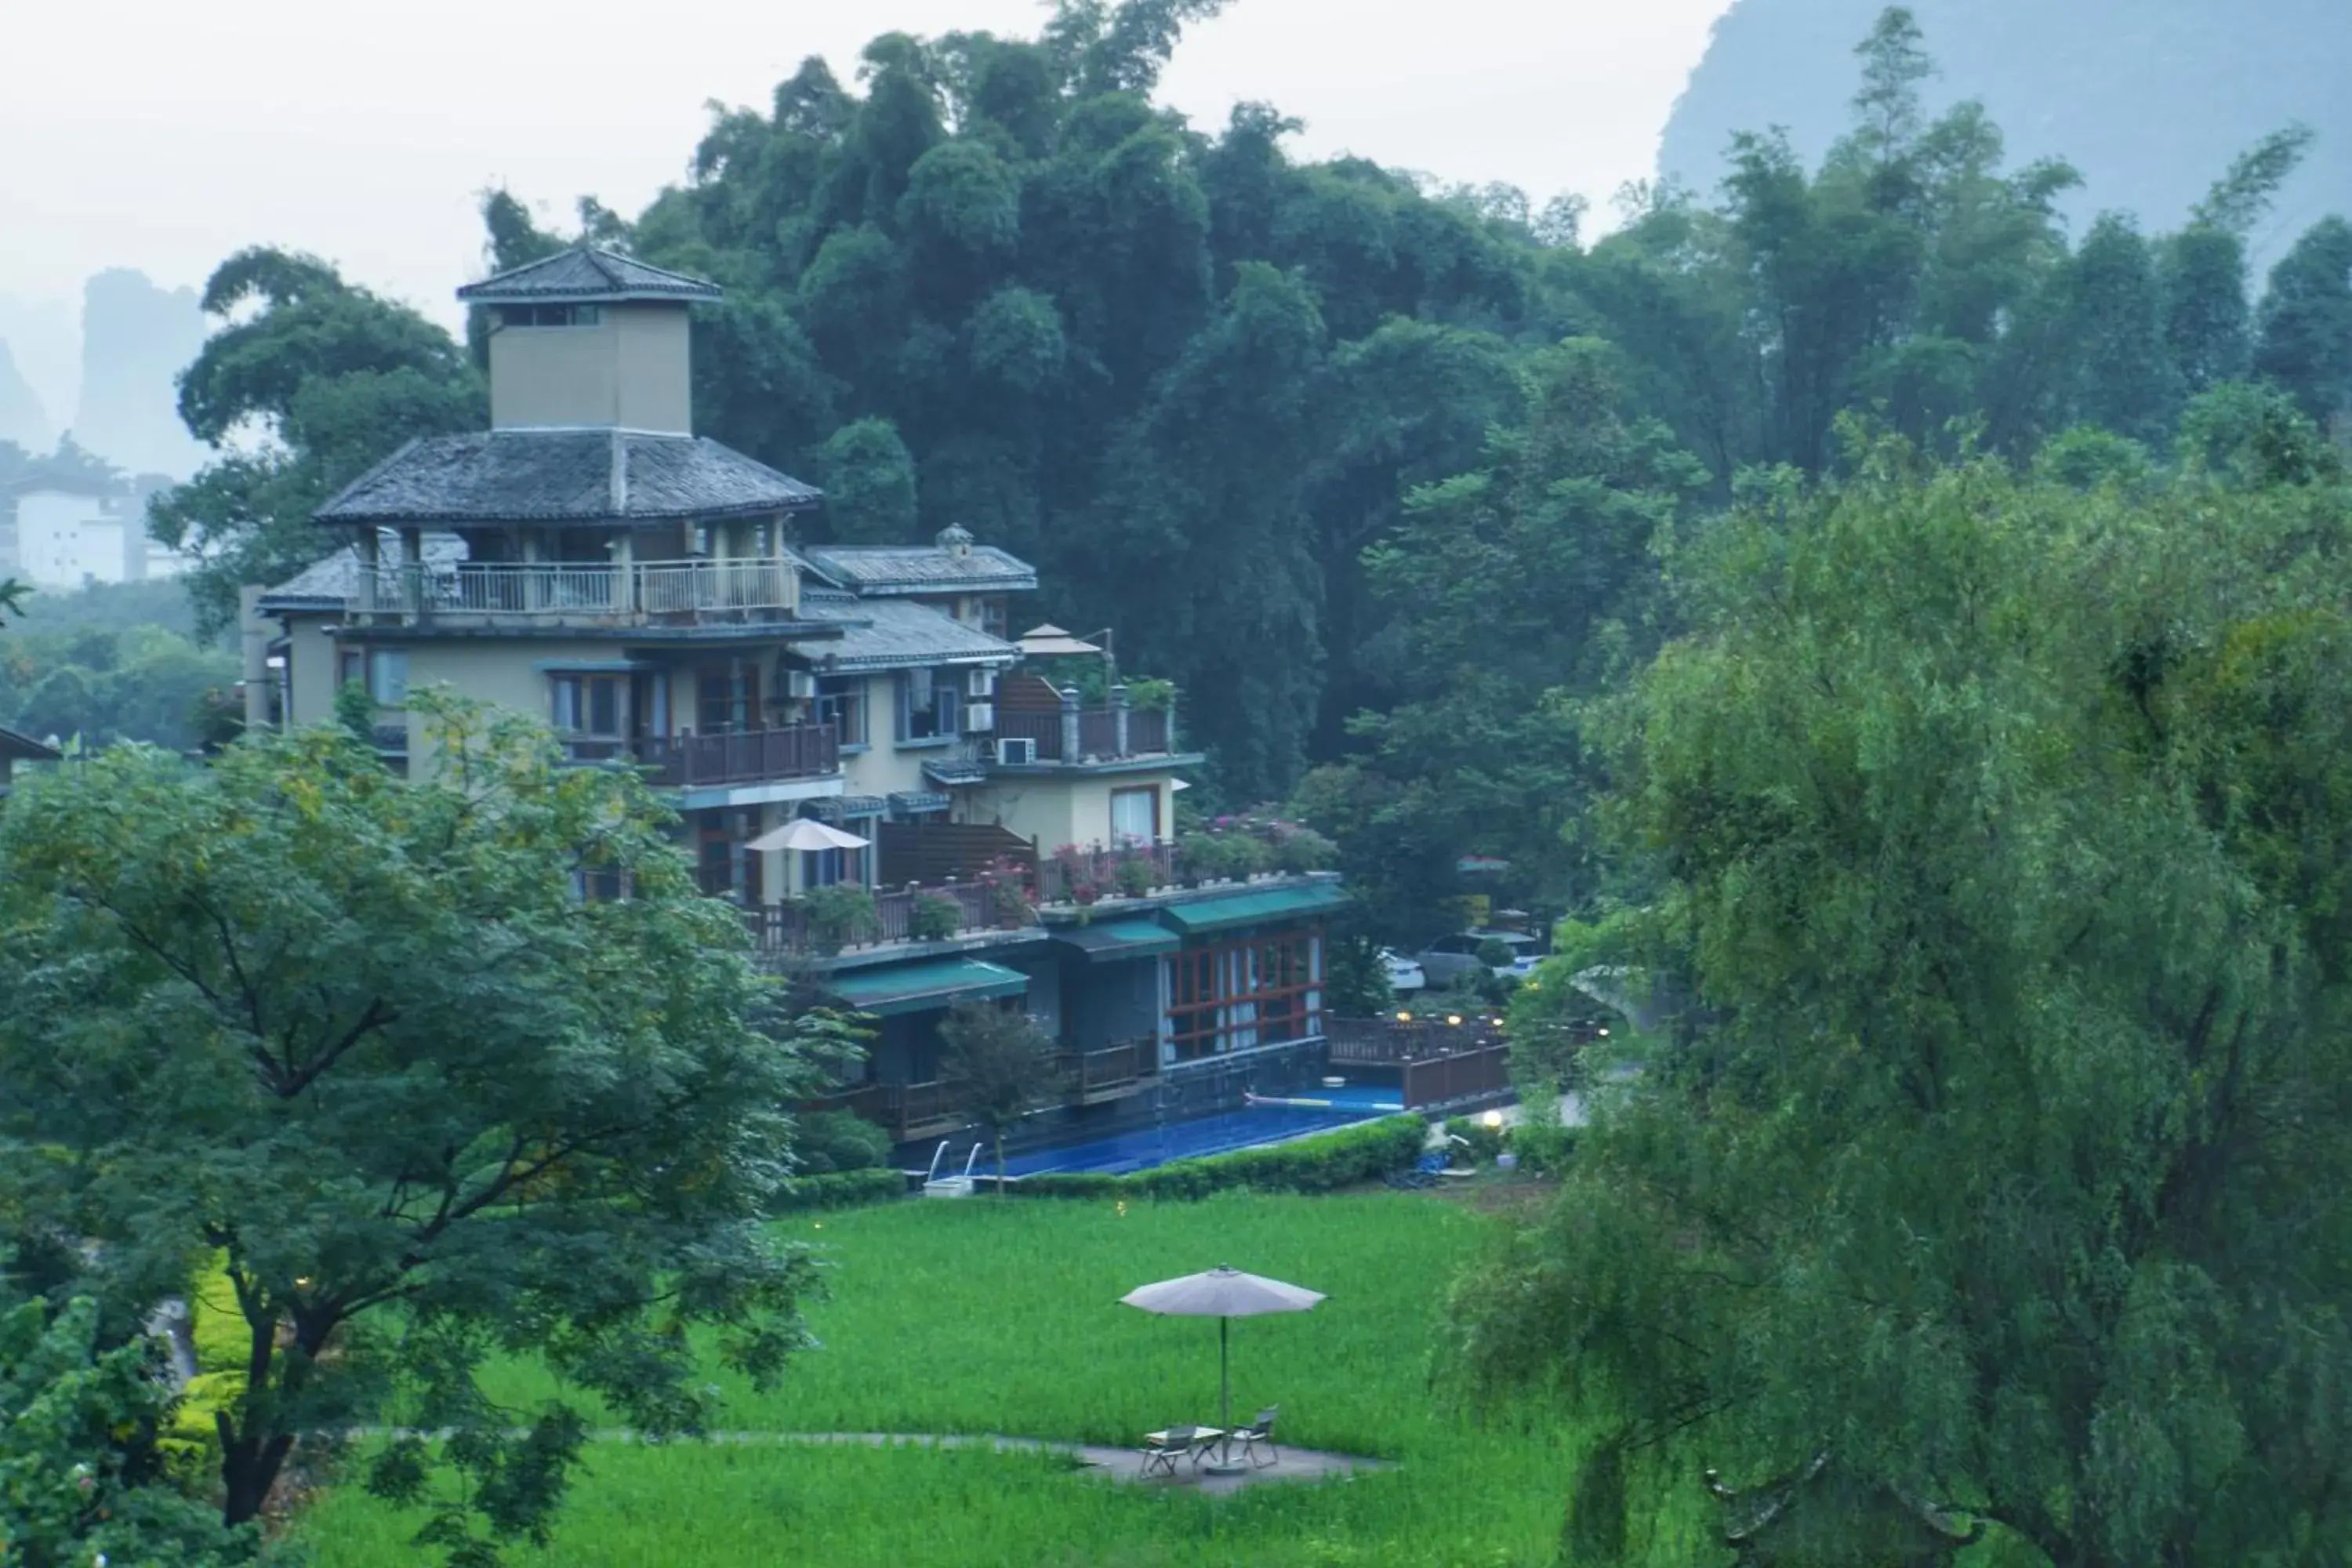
pixel 1097 732
pixel 1114 1072
pixel 1082 876
pixel 786 929
pixel 744 757
pixel 575 590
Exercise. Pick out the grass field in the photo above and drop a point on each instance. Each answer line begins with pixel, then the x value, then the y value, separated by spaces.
pixel 985 1317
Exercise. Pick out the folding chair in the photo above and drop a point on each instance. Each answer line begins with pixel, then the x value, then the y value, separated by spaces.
pixel 1259 1433
pixel 1162 1449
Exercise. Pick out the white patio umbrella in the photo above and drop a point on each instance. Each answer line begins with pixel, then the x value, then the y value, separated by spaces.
pixel 1223 1293
pixel 806 833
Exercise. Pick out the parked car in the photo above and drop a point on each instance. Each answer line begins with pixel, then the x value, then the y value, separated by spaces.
pixel 1404 973
pixel 1449 958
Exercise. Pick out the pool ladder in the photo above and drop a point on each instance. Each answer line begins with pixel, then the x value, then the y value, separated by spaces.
pixel 950 1186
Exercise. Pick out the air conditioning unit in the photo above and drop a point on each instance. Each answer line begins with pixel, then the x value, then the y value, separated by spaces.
pixel 980 682
pixel 1016 753
pixel 799 683
pixel 978 718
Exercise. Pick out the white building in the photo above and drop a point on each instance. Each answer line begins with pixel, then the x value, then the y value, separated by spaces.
pixel 63 540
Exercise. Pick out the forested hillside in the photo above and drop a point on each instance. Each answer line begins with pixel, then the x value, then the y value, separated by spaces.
pixel 1307 433
pixel 2147 98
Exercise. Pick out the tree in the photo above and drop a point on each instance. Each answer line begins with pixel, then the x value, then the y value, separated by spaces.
pixel 332 378
pixel 363 1039
pixel 999 1066
pixel 82 1476
pixel 2305 338
pixel 12 595
pixel 1998 835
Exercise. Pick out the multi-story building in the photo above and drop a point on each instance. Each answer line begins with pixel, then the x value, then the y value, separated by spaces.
pixel 589 559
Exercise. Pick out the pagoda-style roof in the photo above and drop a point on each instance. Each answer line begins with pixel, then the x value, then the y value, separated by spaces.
pixel 586 275
pixel 621 478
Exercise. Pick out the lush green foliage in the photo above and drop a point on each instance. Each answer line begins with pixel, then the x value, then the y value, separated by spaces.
pixel 2000 830
pixel 1322 1163
pixel 81 1460
pixel 839 1189
pixel 1060 1358
pixel 142 684
pixel 999 1065
pixel 361 1037
pixel 331 378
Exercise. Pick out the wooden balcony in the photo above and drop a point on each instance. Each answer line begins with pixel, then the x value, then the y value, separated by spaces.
pixel 1113 1072
pixel 784 929
pixel 741 757
pixel 469 595
pixel 1097 737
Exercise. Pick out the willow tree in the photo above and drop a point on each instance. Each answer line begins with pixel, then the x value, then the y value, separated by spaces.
pixel 2003 835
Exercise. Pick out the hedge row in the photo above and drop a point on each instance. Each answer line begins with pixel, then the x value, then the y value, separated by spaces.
pixel 841 1189
pixel 1303 1165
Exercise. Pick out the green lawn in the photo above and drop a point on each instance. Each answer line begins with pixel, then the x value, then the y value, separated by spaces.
pixel 1003 1317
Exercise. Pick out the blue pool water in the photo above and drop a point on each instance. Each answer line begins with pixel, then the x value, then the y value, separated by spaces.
pixel 1149 1146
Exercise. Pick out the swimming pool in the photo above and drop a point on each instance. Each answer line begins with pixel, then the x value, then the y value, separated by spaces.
pixel 1190 1139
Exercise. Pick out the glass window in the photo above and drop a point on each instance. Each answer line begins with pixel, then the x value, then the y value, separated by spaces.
pixel 841 703
pixel 350 667
pixel 726 700
pixel 991 615
pixel 931 705
pixel 587 704
pixel 1135 816
pixel 1259 991
pixel 387 675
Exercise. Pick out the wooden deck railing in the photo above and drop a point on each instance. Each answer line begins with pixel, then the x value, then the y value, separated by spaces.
pixel 1112 1072
pixel 745 757
pixel 785 929
pixel 577 588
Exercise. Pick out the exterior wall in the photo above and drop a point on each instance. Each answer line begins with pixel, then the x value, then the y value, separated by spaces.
pixel 630 370
pixel 311 671
pixel 1072 808
pixel 504 673
pixel 1104 1002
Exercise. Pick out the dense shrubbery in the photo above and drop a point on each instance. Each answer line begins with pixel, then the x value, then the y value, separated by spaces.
pixel 1304 1165
pixel 840 1189
pixel 825 1141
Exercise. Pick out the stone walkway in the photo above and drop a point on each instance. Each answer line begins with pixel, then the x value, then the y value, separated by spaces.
pixel 1117 1464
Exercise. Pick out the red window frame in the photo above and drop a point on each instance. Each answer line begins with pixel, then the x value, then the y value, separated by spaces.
pixel 1203 982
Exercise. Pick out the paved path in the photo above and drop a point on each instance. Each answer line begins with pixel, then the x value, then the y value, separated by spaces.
pixel 1117 1464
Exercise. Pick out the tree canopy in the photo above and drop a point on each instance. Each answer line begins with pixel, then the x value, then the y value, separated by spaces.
pixel 1995 832
pixel 364 1041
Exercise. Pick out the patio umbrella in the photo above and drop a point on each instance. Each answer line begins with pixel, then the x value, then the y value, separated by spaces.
pixel 806 833
pixel 1223 1293
pixel 1048 640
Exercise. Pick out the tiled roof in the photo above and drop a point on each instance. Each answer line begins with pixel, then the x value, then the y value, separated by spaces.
pixel 886 633
pixel 329 585
pixel 585 275
pixel 21 748
pixel 617 476
pixel 924 569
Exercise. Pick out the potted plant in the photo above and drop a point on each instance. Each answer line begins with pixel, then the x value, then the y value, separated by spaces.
pixel 934 918
pixel 1135 876
pixel 1085 893
pixel 1010 905
pixel 838 916
pixel 1197 859
pixel 1298 850
pixel 1245 857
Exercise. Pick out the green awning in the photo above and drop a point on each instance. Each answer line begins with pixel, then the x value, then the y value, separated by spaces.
pixel 1255 909
pixel 917 987
pixel 1119 939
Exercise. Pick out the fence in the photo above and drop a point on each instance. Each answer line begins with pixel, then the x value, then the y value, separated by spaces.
pixel 567 588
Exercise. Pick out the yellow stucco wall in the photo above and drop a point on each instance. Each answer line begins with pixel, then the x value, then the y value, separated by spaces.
pixel 631 370
pixel 504 673
pixel 1056 810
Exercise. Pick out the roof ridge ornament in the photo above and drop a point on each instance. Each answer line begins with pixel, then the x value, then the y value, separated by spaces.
pixel 956 540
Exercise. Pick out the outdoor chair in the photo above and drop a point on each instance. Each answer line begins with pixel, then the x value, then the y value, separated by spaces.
pixel 1259 1433
pixel 1162 1449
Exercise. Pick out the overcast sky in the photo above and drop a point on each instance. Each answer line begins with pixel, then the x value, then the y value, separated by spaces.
pixel 161 135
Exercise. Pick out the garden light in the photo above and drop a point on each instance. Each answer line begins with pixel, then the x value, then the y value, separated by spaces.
pixel 1455 1019
pixel 1404 1018
pixel 1493 1119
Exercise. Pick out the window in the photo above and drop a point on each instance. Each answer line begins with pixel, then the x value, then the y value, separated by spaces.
pixel 726 699
pixel 387 675
pixel 1261 991
pixel 841 703
pixel 588 705
pixel 931 705
pixel 991 615
pixel 350 667
pixel 1135 816
pixel 550 315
